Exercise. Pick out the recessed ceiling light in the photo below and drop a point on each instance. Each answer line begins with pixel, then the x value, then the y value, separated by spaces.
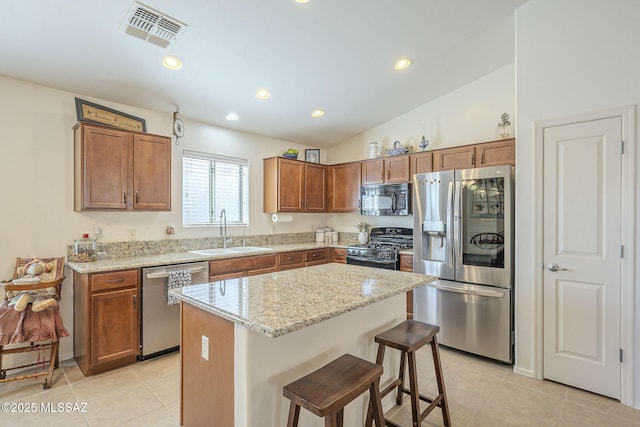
pixel 263 93
pixel 302 1
pixel 403 63
pixel 232 116
pixel 317 113
pixel 172 62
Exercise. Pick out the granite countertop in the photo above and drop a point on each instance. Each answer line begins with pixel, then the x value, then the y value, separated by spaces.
pixel 112 264
pixel 275 304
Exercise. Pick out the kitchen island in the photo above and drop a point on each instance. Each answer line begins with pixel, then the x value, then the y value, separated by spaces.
pixel 243 339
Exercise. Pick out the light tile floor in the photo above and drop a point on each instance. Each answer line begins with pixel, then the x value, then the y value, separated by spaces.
pixel 481 393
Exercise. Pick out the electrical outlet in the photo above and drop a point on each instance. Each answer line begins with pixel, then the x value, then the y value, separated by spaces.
pixel 205 347
pixel 132 234
pixel 171 229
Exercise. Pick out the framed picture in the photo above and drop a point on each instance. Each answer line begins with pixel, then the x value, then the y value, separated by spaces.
pixel 94 113
pixel 312 155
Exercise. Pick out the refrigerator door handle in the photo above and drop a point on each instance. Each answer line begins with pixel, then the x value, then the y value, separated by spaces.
pixel 457 223
pixel 481 293
pixel 451 225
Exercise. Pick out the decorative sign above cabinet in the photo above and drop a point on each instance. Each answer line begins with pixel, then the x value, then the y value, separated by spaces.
pixel 89 112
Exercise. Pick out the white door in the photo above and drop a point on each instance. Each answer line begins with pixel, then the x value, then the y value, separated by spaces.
pixel 582 255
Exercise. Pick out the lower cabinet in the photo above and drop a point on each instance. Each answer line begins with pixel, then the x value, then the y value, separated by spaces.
pixel 106 321
pixel 339 255
pixel 299 259
pixel 290 260
pixel 406 264
pixel 315 257
pixel 231 268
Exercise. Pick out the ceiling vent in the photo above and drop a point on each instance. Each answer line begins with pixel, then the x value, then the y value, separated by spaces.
pixel 152 26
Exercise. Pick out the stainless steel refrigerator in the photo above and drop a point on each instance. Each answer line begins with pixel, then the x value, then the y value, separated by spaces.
pixel 463 234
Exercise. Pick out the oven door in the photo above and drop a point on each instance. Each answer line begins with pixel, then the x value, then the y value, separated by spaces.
pixel 389 264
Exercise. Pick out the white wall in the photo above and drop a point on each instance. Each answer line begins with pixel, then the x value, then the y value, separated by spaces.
pixel 36 194
pixel 572 56
pixel 468 115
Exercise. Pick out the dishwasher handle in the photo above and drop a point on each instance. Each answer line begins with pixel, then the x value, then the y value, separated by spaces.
pixel 481 293
pixel 165 273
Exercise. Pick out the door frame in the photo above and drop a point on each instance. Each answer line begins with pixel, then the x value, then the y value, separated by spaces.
pixel 627 114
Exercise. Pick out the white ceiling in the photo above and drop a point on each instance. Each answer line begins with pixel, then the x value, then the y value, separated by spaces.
pixel 337 55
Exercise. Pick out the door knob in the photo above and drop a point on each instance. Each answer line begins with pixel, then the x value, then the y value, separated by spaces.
pixel 556 267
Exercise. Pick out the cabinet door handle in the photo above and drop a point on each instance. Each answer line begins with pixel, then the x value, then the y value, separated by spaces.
pixel 124 197
pixel 482 159
pixel 135 301
pixel 473 159
pixel 315 254
pixel 290 258
pixel 115 280
pixel 137 197
pixel 389 174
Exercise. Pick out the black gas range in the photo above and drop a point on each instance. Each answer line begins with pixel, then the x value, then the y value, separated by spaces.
pixel 383 248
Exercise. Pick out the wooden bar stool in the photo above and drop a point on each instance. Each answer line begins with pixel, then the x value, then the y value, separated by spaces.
pixel 408 337
pixel 326 391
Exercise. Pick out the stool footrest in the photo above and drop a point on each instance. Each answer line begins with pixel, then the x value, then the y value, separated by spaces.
pixel 433 403
pixel 388 389
pixel 423 397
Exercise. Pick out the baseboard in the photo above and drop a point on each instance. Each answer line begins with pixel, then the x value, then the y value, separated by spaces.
pixel 525 372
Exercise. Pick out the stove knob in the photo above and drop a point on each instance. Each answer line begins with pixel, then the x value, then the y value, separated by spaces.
pixel 359 252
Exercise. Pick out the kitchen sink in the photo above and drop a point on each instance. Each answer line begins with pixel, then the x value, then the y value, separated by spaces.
pixel 216 251
pixel 227 251
pixel 250 249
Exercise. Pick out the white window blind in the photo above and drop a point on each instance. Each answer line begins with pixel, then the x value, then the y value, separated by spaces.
pixel 211 183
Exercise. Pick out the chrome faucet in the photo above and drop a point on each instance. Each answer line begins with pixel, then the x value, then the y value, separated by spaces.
pixel 223 213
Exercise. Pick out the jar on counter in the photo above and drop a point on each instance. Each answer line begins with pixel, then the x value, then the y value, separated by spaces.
pixel 320 235
pixel 84 249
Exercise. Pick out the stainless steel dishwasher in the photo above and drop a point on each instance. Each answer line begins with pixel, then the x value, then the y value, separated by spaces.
pixel 160 326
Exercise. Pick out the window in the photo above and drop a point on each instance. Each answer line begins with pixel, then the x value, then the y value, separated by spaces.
pixel 211 183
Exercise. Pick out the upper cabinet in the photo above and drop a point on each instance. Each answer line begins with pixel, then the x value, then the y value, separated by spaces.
pixel 315 187
pixel 454 158
pixel 420 162
pixel 493 153
pixel 294 186
pixel 496 153
pixel 389 170
pixel 344 187
pixel 117 169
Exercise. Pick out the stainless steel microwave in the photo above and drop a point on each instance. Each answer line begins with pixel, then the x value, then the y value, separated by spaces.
pixel 385 199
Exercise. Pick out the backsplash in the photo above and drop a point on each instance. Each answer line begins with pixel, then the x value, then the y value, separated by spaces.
pixel 167 246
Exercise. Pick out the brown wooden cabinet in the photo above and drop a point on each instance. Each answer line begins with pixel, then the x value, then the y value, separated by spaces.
pixel 294 186
pixel 373 171
pixel 315 187
pixel 304 258
pixel 454 158
pixel 290 260
pixel 121 170
pixel 315 257
pixel 339 255
pixel 406 264
pixel 397 169
pixel 106 320
pixel 496 153
pixel 420 162
pixel 344 187
pixel 230 268
pixel 389 170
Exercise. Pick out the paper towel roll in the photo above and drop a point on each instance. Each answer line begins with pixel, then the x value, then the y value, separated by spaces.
pixel 281 218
